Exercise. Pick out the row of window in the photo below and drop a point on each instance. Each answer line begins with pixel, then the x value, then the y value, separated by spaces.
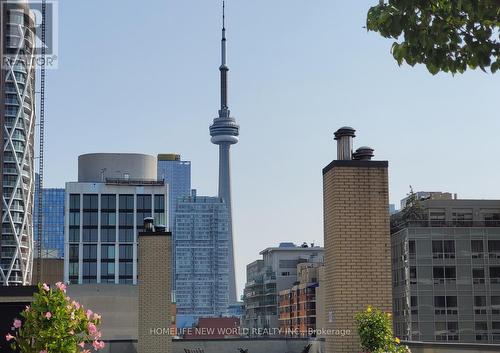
pixel 108 202
pixel 446 248
pixel 448 274
pixel 107 252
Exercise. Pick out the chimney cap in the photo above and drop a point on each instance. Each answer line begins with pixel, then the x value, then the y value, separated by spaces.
pixel 345 131
pixel 148 224
pixel 363 153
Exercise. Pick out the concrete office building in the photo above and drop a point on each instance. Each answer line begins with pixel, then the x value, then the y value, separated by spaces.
pixel 104 211
pixel 53 222
pixel 357 239
pixel 202 258
pixel 17 114
pixel 276 271
pixel 446 271
pixel 224 132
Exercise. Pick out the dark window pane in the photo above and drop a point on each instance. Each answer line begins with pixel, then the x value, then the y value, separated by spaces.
pixel 438 272
pixel 476 246
pixel 74 202
pixel 494 272
pixel 493 245
pixel 478 273
pixel 437 246
pixel 480 300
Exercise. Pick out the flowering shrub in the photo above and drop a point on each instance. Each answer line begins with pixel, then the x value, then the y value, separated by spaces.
pixel 375 332
pixel 55 324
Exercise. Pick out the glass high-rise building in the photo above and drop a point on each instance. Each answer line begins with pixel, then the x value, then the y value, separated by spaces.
pixel 202 258
pixel 17 114
pixel 53 222
pixel 177 174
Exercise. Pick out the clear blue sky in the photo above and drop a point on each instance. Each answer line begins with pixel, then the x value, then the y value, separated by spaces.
pixel 142 76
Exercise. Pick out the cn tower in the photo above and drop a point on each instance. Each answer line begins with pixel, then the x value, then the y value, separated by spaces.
pixel 224 132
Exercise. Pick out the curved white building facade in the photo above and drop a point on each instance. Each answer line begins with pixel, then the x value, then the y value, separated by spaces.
pixel 18 120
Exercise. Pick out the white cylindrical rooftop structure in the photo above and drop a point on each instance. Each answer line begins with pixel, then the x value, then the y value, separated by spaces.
pixel 97 167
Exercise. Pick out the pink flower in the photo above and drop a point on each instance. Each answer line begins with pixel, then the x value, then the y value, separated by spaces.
pixel 89 314
pixel 61 286
pixel 17 323
pixel 76 305
pixel 98 345
pixel 97 316
pixel 92 329
pixel 45 287
pixel 71 332
pixel 43 351
pixel 27 308
pixel 9 337
pixel 81 344
pixel 86 351
pixel 48 315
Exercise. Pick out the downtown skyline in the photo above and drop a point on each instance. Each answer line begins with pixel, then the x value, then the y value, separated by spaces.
pixel 414 124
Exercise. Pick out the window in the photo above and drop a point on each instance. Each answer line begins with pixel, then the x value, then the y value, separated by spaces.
pixel 108 202
pixel 90 235
pixel 74 202
pixel 108 252
pixel 412 248
pixel 478 275
pixel 159 203
pixel 126 219
pixel 90 202
pixel 144 202
pixel 443 249
pixel 495 304
pixel 437 217
pixel 494 274
pixel 108 272
pixel 89 252
pixel 494 249
pixel 108 235
pixel 445 305
pixel 481 328
pixel 491 218
pixel 126 235
pixel 108 219
pixel 477 249
pixel 126 202
pixel 90 219
pixel 444 274
pixel 89 272
pixel 480 305
pixel 74 219
pixel 462 218
pixel 126 252
pixel 495 330
pixel 74 235
pixel 413 275
pixel 446 331
pixel 73 253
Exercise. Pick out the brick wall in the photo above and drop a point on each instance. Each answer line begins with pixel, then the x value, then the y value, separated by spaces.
pixel 357 247
pixel 154 259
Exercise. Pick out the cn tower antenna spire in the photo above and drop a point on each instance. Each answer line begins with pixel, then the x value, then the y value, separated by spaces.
pixel 223 67
pixel 223 14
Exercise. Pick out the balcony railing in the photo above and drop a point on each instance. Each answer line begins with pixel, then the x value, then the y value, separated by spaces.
pixel 397 226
